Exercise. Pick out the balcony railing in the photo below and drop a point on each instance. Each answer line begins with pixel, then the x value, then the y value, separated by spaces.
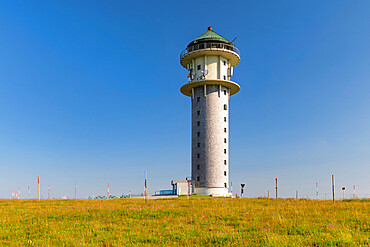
pixel 210 46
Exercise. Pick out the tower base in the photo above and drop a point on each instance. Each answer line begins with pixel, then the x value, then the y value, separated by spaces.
pixel 211 191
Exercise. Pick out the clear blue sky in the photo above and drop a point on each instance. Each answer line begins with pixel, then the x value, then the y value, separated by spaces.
pixel 89 94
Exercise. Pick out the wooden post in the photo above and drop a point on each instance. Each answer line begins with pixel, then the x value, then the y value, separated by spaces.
pixel 296 194
pixel 332 178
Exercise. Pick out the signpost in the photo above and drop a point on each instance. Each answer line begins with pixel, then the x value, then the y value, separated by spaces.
pixel 242 190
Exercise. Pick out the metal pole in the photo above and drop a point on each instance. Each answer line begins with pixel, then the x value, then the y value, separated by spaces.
pixel 317 191
pixel 332 178
pixel 296 194
pixel 108 192
pixel 231 187
pixel 38 181
pixel 49 192
pixel 344 189
pixel 276 187
pixel 29 193
pixel 188 189
pixel 145 194
pixel 354 195
pixel 268 194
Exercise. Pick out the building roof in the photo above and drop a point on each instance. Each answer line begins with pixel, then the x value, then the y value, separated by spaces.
pixel 210 36
pixel 179 182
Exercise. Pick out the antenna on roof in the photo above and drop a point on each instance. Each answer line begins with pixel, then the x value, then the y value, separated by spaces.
pixel 234 40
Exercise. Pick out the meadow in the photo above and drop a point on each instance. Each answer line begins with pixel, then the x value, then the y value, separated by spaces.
pixel 181 222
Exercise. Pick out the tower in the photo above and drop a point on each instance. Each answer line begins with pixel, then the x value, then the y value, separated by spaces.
pixel 210 59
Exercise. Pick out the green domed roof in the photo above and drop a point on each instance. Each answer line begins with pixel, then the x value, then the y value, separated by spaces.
pixel 210 36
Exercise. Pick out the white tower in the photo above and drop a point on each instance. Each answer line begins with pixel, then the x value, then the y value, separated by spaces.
pixel 210 60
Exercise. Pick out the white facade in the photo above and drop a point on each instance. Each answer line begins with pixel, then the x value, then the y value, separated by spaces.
pixel 209 86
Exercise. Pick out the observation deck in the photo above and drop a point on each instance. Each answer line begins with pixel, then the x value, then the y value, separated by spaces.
pixel 229 51
pixel 233 86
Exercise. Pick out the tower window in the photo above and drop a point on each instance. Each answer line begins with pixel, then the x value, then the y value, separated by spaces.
pixel 198 99
pixel 198 155
pixel 224 173
pixel 198 112
pixel 199 67
pixel 225 185
pixel 198 178
pixel 224 151
pixel 198 144
pixel 225 140
pixel 198 123
pixel 225 92
pixel 224 77
pixel 225 107
pixel 198 134
pixel 225 63
pixel 198 167
pixel 224 119
pixel 225 162
pixel 225 130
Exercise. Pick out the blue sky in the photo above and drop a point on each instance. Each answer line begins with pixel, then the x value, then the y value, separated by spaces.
pixel 89 94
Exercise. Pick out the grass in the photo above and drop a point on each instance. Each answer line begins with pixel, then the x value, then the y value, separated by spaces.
pixel 200 221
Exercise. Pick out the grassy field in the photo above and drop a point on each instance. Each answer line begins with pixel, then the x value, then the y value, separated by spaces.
pixel 194 222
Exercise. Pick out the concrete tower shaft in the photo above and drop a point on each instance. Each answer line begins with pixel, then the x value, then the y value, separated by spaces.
pixel 210 137
pixel 210 60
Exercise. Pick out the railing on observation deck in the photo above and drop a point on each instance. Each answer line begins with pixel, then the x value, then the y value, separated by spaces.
pixel 210 46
